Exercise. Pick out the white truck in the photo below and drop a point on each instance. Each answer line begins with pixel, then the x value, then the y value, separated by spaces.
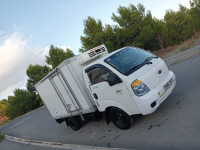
pixel 121 84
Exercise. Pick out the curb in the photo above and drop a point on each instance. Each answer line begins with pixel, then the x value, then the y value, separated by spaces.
pixel 181 58
pixel 58 145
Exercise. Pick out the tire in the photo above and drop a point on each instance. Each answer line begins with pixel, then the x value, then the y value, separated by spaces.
pixel 74 124
pixel 120 118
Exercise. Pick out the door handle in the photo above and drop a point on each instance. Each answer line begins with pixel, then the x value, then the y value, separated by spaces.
pixel 95 95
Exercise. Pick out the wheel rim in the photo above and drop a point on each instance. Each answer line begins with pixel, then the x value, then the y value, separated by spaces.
pixel 120 119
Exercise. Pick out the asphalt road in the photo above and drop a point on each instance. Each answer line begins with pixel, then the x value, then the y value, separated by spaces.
pixel 175 125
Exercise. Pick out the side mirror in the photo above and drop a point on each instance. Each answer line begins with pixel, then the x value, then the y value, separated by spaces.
pixel 113 79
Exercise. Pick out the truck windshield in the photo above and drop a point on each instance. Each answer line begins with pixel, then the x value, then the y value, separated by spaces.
pixel 128 58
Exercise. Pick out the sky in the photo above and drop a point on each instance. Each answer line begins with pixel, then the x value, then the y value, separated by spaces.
pixel 29 27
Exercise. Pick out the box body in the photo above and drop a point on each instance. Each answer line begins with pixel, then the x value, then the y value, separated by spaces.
pixel 63 91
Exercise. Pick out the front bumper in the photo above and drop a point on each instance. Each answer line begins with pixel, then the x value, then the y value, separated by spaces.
pixel 153 99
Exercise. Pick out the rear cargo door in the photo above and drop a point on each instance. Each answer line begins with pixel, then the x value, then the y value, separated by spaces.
pixel 63 91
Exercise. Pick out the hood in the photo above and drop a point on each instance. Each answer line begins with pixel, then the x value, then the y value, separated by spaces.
pixel 154 76
pixel 151 74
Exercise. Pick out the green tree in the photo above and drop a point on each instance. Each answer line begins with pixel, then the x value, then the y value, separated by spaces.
pixel 20 103
pixel 161 33
pixel 96 34
pixel 57 55
pixel 3 106
pixel 195 13
pixel 35 73
pixel 188 22
pixel 93 34
pixel 180 24
pixel 173 27
pixel 138 28
pixel 130 22
pixel 110 39
pixel 129 17
pixel 147 36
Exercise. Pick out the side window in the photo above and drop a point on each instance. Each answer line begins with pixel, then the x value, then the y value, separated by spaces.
pixel 98 75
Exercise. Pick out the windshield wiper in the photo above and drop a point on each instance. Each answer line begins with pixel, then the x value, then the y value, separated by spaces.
pixel 140 65
pixel 145 62
pixel 150 58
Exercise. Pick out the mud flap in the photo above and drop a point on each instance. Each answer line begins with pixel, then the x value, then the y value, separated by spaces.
pixel 60 120
pixel 107 116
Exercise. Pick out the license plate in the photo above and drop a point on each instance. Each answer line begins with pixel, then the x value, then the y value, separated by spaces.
pixel 168 84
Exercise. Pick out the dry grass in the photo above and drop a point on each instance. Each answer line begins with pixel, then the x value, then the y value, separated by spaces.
pixel 2 136
pixel 171 50
pixel 3 119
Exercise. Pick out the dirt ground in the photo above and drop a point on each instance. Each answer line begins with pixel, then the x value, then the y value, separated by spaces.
pixel 171 50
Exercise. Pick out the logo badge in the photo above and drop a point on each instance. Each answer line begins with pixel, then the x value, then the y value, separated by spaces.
pixel 159 71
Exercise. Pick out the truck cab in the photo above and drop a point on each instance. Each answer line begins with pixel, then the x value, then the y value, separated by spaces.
pixel 128 81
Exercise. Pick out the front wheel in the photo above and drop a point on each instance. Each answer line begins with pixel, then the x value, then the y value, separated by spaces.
pixel 120 118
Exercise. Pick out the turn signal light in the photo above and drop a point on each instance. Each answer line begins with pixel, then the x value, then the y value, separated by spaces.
pixel 136 83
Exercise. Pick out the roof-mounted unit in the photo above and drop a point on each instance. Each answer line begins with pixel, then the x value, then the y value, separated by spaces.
pixel 91 54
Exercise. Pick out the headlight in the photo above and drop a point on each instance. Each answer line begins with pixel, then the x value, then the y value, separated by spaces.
pixel 139 88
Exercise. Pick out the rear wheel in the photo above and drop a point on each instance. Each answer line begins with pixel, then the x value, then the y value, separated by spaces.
pixel 120 118
pixel 74 123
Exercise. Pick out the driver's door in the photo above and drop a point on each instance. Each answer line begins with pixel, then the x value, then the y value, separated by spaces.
pixel 102 91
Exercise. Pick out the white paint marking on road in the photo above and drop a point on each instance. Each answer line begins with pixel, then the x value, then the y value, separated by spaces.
pixel 58 145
